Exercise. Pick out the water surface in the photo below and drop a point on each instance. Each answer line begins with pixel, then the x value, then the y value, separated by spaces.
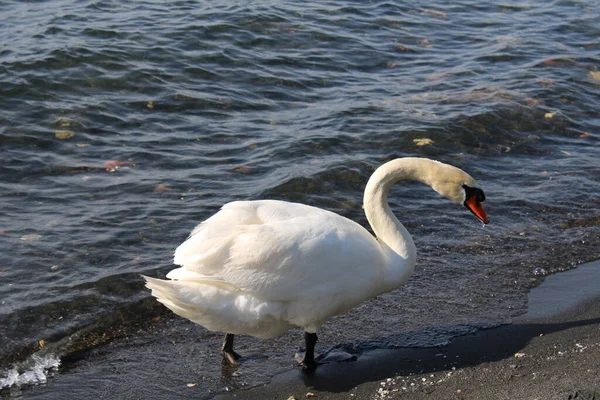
pixel 124 124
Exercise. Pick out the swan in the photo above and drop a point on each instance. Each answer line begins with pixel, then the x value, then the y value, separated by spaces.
pixel 262 267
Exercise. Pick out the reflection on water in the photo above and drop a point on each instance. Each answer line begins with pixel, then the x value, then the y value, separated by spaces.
pixel 125 124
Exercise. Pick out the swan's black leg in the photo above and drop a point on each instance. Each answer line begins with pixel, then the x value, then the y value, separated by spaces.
pixel 228 354
pixel 309 356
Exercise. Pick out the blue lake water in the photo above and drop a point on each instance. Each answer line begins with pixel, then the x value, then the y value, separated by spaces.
pixel 123 124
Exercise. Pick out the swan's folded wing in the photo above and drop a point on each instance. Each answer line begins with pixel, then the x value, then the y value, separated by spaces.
pixel 208 247
pixel 282 251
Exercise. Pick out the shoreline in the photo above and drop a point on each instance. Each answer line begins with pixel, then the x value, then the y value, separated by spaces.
pixel 551 352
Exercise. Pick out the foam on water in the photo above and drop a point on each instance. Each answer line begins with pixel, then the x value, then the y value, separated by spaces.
pixel 33 371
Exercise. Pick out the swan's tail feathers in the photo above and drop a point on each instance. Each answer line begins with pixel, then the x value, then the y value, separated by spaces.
pixel 190 296
pixel 219 306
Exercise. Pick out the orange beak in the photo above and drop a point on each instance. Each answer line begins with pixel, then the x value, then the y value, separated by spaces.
pixel 475 206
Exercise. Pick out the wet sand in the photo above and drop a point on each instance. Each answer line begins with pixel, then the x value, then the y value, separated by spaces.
pixel 552 352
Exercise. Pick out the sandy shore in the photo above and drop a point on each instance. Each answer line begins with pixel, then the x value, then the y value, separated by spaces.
pixel 552 352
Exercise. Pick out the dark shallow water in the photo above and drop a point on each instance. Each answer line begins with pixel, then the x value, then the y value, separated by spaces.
pixel 123 124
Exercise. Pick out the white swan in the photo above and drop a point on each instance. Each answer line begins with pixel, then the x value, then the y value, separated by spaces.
pixel 262 267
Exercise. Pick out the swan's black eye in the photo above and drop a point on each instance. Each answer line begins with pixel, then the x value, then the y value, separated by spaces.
pixel 471 191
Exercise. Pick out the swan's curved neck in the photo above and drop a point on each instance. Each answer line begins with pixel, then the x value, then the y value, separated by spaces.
pixel 386 226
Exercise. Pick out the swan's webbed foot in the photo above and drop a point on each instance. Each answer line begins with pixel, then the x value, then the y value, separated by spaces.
pixel 231 357
pixel 227 351
pixel 308 363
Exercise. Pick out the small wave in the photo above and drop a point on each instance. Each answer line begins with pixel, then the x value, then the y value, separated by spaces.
pixel 33 371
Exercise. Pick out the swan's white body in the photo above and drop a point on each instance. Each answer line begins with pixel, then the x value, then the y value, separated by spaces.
pixel 262 267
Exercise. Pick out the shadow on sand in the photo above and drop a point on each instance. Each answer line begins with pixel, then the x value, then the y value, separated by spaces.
pixel 469 350
pixel 375 365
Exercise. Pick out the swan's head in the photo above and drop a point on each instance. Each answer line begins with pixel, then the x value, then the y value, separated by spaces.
pixel 456 185
pixel 474 196
pixel 449 181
